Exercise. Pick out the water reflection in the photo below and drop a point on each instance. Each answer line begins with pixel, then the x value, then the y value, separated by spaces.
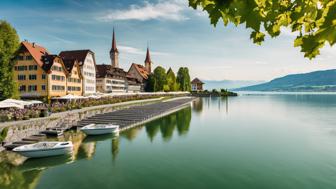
pixel 18 172
pixel 12 177
pixel 198 105
pixel 179 121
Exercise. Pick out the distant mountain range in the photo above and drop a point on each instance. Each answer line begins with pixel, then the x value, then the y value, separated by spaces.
pixel 318 81
pixel 228 84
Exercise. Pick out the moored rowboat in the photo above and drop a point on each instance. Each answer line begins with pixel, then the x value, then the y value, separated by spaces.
pixel 99 129
pixel 44 149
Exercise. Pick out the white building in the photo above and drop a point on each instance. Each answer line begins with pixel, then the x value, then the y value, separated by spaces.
pixel 87 63
pixel 111 80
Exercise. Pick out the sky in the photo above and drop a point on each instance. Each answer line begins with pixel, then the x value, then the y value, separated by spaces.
pixel 177 36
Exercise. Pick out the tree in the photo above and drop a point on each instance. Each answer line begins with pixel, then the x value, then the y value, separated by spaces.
pixel 160 78
pixel 171 80
pixel 150 83
pixel 313 20
pixel 9 44
pixel 183 79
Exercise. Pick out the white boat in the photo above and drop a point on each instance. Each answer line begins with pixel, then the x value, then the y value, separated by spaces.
pixel 100 129
pixel 44 149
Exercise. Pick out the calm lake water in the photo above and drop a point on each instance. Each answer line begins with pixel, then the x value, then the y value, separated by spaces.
pixel 251 141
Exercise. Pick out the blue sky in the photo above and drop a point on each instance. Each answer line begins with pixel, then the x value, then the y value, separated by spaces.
pixel 177 36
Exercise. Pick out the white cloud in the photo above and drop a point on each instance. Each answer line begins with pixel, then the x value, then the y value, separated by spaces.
pixel 163 10
pixel 133 50
pixel 130 50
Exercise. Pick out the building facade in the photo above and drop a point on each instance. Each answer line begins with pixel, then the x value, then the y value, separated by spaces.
pixel 196 85
pixel 87 65
pixel 74 77
pixel 140 72
pixel 38 73
pixel 111 80
pixel 133 85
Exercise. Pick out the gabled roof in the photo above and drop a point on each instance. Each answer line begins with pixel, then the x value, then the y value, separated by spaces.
pixel 80 55
pixel 104 70
pixel 49 60
pixel 70 64
pixel 36 51
pixel 141 70
pixel 197 81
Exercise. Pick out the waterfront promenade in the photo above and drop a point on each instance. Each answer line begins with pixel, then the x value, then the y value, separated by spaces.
pixel 127 117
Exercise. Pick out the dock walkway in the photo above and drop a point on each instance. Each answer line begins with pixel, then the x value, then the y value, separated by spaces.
pixel 136 115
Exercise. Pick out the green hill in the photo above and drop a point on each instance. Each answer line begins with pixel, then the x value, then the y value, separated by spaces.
pixel 318 81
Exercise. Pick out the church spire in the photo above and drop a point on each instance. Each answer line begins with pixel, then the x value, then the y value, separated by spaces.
pixel 148 58
pixel 148 61
pixel 114 53
pixel 114 43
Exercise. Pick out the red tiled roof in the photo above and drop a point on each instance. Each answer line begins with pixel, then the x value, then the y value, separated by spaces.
pixel 141 70
pixel 36 51
pixel 196 80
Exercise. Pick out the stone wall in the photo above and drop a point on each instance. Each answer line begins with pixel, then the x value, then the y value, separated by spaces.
pixel 21 129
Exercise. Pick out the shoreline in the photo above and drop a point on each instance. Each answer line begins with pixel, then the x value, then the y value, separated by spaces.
pixel 18 131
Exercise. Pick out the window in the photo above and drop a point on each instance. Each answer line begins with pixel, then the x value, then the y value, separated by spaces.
pixel 71 88
pixel 32 67
pixel 19 57
pixel 22 68
pixel 21 77
pixel 32 88
pixel 57 77
pixel 43 76
pixel 15 68
pixel 57 68
pixel 29 57
pixel 22 88
pixel 57 88
pixel 43 87
pixel 32 77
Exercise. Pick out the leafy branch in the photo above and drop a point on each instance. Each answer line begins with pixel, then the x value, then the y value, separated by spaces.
pixel 314 20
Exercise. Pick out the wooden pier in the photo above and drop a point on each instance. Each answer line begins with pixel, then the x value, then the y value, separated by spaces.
pixel 125 118
pixel 137 115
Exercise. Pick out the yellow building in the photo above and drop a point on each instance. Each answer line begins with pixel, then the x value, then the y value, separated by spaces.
pixel 38 73
pixel 74 78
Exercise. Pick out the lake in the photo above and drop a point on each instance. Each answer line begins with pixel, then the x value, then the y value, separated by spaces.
pixel 256 141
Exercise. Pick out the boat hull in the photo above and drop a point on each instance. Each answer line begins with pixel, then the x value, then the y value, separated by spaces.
pixel 99 131
pixel 44 149
pixel 46 152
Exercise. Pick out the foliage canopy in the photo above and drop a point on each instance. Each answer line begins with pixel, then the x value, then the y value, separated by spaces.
pixel 160 78
pixel 183 79
pixel 313 20
pixel 9 43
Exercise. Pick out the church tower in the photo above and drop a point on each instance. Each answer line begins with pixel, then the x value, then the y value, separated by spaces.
pixel 148 62
pixel 114 53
